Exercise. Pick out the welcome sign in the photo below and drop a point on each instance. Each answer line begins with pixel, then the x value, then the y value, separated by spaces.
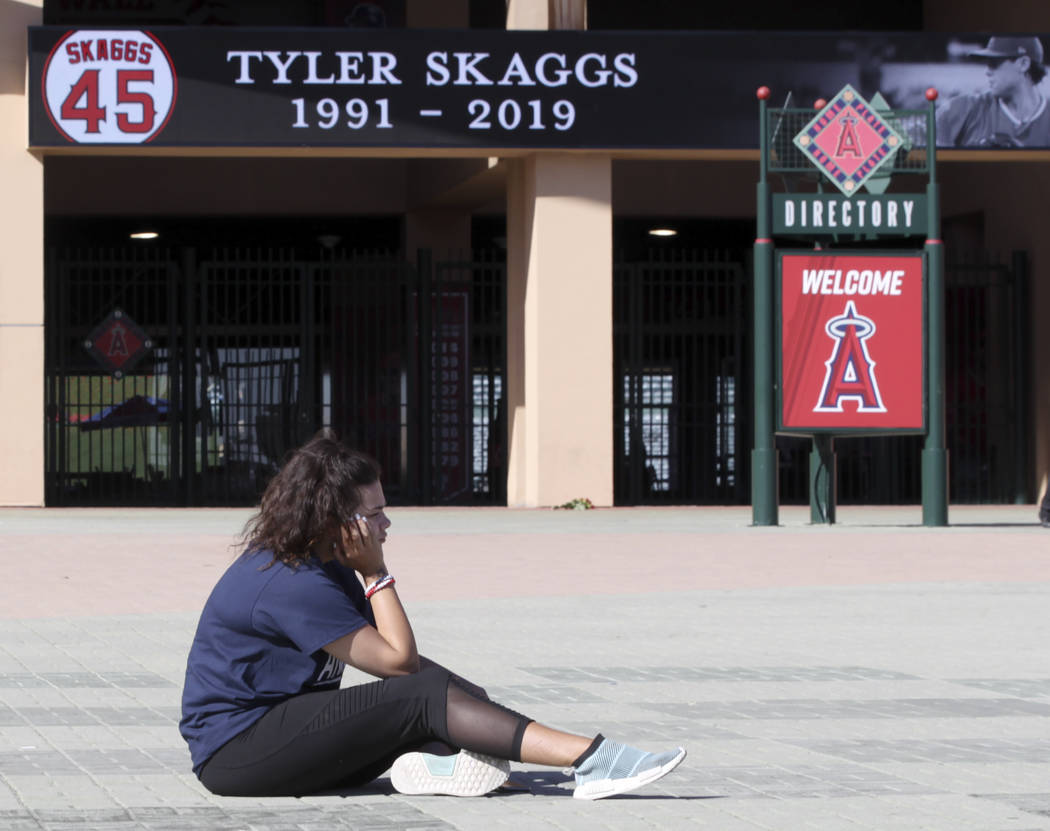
pixel 851 342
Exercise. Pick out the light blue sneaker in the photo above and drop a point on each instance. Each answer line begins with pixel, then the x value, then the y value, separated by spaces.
pixel 617 768
pixel 462 774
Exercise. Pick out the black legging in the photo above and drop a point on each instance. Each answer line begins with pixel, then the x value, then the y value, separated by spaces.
pixel 346 738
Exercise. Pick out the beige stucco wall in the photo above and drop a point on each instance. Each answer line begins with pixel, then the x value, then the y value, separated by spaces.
pixel 21 274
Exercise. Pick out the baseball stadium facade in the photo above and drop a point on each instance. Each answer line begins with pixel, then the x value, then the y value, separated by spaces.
pixel 505 311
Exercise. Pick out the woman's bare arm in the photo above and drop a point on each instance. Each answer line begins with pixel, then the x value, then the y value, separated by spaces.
pixel 388 648
pixel 385 650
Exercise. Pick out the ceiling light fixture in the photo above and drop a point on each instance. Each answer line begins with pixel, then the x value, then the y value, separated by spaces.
pixel 144 235
pixel 662 232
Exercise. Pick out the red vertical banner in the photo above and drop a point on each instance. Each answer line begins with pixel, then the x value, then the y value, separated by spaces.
pixel 852 345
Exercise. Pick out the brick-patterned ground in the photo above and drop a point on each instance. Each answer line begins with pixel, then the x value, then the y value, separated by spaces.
pixel 871 675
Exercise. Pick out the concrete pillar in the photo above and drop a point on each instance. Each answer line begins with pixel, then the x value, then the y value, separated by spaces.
pixel 559 311
pixel 21 272
pixel 559 330
pixel 546 14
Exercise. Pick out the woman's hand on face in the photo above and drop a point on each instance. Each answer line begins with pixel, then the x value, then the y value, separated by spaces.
pixel 362 550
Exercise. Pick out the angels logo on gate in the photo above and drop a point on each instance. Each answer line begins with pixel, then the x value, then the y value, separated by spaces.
pixel 851 371
pixel 109 87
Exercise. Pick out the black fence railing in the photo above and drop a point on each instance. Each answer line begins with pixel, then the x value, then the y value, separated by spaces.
pixel 255 349
pixel 252 350
pixel 681 379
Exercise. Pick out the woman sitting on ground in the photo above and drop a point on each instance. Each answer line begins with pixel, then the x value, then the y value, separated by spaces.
pixel 262 710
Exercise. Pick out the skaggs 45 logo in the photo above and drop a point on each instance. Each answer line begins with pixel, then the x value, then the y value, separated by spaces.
pixel 109 87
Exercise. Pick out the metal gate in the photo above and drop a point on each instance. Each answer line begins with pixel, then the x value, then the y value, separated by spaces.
pixel 253 350
pixel 683 380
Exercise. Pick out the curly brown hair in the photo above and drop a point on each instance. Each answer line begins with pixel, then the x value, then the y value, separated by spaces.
pixel 316 491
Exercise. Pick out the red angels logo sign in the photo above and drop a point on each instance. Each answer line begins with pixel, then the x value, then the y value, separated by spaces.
pixel 851 371
pixel 109 87
pixel 848 141
pixel 851 342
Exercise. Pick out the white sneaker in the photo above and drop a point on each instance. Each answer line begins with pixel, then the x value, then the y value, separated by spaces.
pixel 617 768
pixel 462 774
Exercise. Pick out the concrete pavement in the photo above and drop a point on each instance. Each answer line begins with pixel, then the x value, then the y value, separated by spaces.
pixel 870 675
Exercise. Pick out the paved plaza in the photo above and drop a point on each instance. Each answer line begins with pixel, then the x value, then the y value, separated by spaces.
pixel 875 674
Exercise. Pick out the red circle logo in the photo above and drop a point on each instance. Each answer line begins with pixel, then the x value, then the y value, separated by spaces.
pixel 109 87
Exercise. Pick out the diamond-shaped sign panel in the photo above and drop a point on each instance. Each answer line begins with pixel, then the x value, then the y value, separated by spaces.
pixel 118 343
pixel 848 141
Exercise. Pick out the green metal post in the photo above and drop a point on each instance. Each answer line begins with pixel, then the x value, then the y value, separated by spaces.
pixel 935 453
pixel 822 480
pixel 763 455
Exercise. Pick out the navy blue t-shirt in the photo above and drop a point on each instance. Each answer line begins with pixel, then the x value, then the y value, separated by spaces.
pixel 260 641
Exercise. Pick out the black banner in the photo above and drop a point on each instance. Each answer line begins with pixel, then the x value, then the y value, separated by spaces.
pixel 218 86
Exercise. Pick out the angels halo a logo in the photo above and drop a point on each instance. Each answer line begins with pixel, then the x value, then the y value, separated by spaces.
pixel 850 369
pixel 109 87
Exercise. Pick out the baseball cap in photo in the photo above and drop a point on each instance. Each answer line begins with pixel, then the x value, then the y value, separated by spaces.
pixel 1011 47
